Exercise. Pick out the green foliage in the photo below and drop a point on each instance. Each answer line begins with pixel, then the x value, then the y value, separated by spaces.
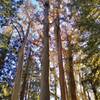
pixel 4 40
pixel 5 91
pixel 88 20
pixel 8 9
pixel 89 16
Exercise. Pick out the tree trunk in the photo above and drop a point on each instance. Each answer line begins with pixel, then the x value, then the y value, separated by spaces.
pixel 55 85
pixel 45 93
pixel 83 90
pixel 16 89
pixel 94 91
pixel 25 74
pixel 66 89
pixel 59 51
pixel 89 98
pixel 71 79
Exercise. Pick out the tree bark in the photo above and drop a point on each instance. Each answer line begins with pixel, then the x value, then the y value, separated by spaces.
pixel 89 98
pixel 59 51
pixel 25 74
pixel 55 85
pixel 45 93
pixel 83 88
pixel 16 89
pixel 94 91
pixel 71 79
pixel 66 89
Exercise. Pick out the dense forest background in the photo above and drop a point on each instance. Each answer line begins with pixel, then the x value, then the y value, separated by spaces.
pixel 49 49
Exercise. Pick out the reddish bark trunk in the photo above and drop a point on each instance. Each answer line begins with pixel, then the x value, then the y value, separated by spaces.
pixel 59 51
pixel 71 79
pixel 45 93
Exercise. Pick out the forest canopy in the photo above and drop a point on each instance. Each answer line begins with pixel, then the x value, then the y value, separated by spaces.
pixel 49 49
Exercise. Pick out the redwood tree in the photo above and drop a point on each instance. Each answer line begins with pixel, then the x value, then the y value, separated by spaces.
pixel 71 79
pixel 59 52
pixel 45 94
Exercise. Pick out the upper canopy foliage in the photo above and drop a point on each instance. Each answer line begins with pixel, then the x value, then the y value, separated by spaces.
pixel 8 9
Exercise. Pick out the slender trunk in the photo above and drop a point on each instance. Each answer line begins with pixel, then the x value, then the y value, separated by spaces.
pixel 94 91
pixel 83 88
pixel 71 79
pixel 89 98
pixel 55 86
pixel 45 93
pixel 59 51
pixel 28 88
pixel 23 87
pixel 16 89
pixel 66 89
pixel 85 96
pixel 60 63
pixel 67 79
pixel 22 93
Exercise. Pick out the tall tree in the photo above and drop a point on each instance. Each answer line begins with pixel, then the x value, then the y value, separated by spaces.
pixel 45 93
pixel 71 79
pixel 16 89
pixel 59 52
pixel 25 75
